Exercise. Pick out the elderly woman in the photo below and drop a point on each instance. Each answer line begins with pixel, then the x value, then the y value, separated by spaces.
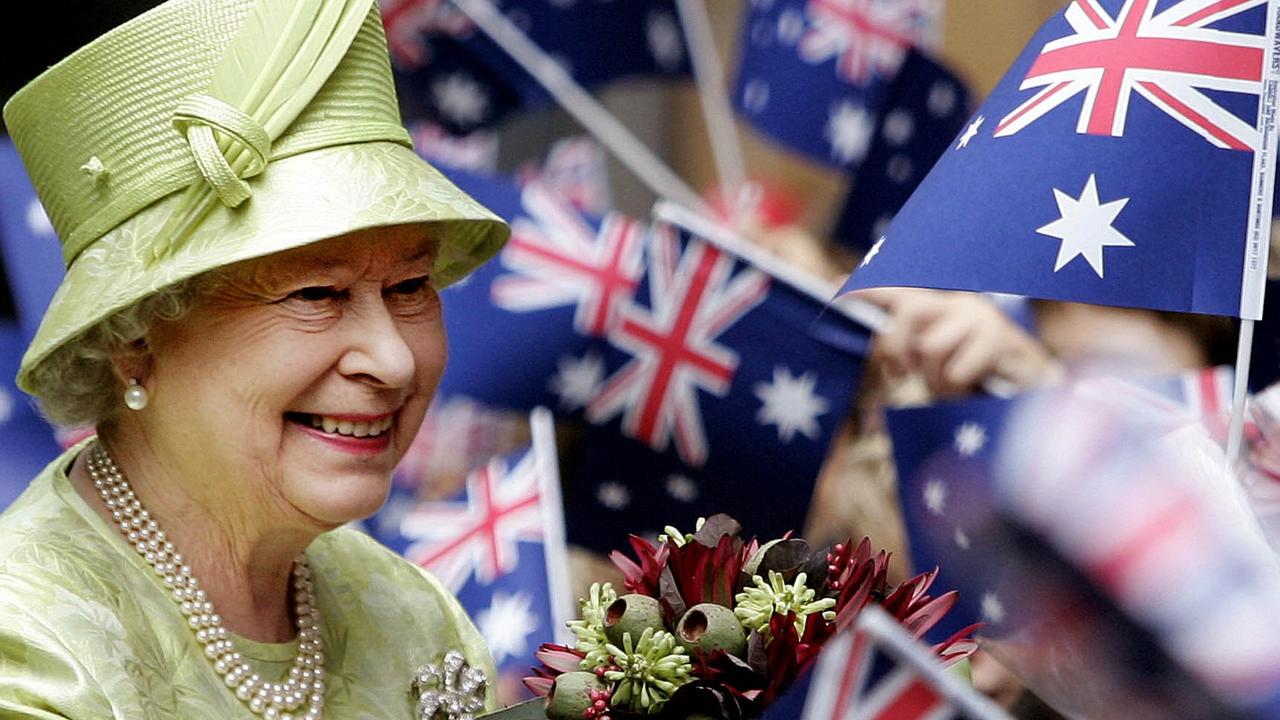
pixel 250 320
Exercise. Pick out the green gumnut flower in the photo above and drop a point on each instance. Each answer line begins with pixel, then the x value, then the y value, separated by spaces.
pixel 756 605
pixel 649 671
pixel 589 631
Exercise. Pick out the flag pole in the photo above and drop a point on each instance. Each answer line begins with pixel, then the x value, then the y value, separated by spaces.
pixel 555 548
pixel 578 102
pixel 1235 431
pixel 1258 239
pixel 708 75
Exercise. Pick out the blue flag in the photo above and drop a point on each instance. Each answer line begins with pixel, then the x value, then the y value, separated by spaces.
pixel 453 73
pixel 499 546
pixel 944 456
pixel 814 74
pixel 1113 164
pixel 878 671
pixel 721 390
pixel 525 329
pixel 28 244
pixel 1071 520
pixel 27 442
pixel 1264 365
pixel 925 107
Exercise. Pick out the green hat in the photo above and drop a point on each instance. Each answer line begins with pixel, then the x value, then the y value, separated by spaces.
pixel 205 132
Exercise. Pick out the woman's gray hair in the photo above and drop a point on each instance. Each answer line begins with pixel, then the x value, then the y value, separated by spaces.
pixel 77 384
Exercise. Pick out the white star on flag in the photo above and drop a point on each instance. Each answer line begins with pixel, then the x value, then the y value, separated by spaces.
pixel 899 126
pixel 935 496
pixel 681 488
pixel 577 380
pixel 1085 226
pixel 791 26
pixel 789 402
pixel 970 132
pixel 942 99
pixel 665 43
pixel 755 96
pixel 460 98
pixel 613 495
pixel 992 608
pixel 507 624
pixel 849 130
pixel 970 438
pixel 874 251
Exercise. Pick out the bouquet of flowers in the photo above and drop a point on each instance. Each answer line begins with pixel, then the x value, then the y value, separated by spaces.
pixel 714 626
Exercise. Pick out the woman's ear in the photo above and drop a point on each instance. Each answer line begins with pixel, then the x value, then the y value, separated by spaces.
pixel 133 362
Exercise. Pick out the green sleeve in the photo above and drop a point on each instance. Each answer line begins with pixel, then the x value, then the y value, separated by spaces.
pixel 39 676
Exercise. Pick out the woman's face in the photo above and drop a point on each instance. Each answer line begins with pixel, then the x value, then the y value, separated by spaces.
pixel 297 381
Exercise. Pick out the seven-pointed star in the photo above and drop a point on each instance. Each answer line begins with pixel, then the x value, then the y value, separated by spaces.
pixel 577 380
pixel 507 624
pixel 849 129
pixel 1085 226
pixel 970 438
pixel 790 403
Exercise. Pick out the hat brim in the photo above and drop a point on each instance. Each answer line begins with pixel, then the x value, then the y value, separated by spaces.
pixel 296 200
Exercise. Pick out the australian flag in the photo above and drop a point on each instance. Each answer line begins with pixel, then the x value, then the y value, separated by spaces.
pixel 499 546
pixel 1116 163
pixel 28 243
pixel 720 390
pixel 450 71
pixel 945 454
pixel 525 328
pixel 924 108
pixel 1073 515
pixel 815 74
pixel 877 671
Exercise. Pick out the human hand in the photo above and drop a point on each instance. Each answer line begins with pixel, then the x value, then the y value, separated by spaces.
pixel 957 341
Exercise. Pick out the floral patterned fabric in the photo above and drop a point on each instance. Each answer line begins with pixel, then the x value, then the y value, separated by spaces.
pixel 88 631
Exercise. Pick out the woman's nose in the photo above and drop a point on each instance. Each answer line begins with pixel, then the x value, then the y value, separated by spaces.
pixel 378 351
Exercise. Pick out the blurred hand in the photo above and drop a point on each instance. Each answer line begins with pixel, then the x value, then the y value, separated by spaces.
pixel 956 341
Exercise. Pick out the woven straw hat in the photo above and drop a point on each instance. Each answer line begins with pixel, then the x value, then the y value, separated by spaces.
pixel 205 132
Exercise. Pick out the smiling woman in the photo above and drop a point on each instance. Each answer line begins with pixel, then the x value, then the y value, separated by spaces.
pixel 250 320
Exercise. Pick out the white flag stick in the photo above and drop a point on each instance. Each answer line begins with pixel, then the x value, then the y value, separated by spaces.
pixel 578 102
pixel 708 74
pixel 555 549
pixel 1235 430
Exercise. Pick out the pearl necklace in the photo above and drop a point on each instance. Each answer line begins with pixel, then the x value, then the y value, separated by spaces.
pixel 274 701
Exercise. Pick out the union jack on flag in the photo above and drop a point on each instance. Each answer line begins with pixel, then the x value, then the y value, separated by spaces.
pixel 877 671
pixel 694 296
pixel 559 259
pixel 478 534
pixel 1117 163
pixel 1170 58
pixel 868 38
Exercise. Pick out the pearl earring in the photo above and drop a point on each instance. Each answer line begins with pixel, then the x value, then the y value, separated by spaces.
pixel 135 396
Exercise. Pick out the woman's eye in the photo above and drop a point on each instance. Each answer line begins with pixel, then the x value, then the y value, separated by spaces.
pixel 410 287
pixel 316 294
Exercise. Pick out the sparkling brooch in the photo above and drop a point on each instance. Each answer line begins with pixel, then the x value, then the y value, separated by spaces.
pixel 450 689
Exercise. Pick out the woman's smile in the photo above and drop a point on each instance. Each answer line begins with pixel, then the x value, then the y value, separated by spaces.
pixel 352 433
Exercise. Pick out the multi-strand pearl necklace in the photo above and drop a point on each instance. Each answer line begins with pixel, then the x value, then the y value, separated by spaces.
pixel 273 700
